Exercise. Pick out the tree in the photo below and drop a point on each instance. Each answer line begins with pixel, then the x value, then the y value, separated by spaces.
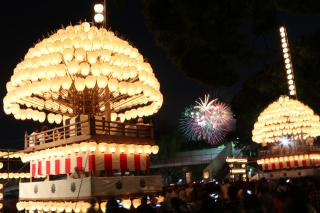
pixel 202 38
pixel 167 138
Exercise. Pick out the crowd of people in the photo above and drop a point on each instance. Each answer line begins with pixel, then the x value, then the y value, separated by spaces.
pixel 266 196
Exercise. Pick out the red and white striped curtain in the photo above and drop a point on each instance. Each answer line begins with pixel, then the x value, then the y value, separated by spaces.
pixel 90 162
pixel 295 163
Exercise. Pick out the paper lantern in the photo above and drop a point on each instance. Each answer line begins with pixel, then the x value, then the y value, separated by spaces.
pixel 58 119
pixel 102 82
pixel 80 55
pixel 19 206
pixel 60 207
pixel 113 84
pixel 84 146
pixel 113 116
pixel 51 118
pixel 102 147
pixel 92 146
pixel 136 202
pixel 121 148
pixel 155 149
pixel 66 83
pixel 126 203
pixel 130 149
pixel 160 199
pixel 73 67
pixel 147 149
pixel 67 54
pixel 103 206
pixel 85 68
pixel 90 81
pixel 112 148
pixel 139 149
pixel 42 117
pixel 80 84
pixel 76 147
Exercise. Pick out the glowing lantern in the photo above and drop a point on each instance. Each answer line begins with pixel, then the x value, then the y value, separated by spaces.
pixel 102 82
pixel 136 203
pixel 102 147
pixel 103 206
pixel 90 81
pixel 76 147
pixel 139 149
pixel 112 148
pixel 80 84
pixel 58 119
pixel 92 146
pixel 122 148
pixel 84 147
pixel 84 68
pixel 130 149
pixel 147 149
pixel 155 149
pixel 126 203
pixel 113 116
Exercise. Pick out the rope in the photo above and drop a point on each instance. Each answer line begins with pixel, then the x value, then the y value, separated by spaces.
pixel 84 169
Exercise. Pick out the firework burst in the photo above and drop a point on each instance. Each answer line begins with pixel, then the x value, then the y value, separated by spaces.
pixel 208 120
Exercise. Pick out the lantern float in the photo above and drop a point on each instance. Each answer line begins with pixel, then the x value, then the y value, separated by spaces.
pixel 287 129
pixel 99 88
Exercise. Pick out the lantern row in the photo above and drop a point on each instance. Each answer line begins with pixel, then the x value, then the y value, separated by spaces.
pixel 14 175
pixel 78 207
pixel 289 158
pixel 236 160
pixel 10 155
pixel 85 147
pixel 98 10
pixel 287 61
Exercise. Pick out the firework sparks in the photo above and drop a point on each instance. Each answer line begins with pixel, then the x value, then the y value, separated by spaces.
pixel 208 120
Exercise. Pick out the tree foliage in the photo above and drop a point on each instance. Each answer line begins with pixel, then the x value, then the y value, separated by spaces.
pixel 203 39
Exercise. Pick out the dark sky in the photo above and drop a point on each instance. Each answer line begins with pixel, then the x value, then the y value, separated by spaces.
pixel 25 22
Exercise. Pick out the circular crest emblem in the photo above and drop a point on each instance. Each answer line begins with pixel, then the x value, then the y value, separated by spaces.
pixel 142 183
pixel 119 184
pixel 73 187
pixel 53 188
pixel 35 189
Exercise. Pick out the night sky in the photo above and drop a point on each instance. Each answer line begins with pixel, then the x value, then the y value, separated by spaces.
pixel 25 22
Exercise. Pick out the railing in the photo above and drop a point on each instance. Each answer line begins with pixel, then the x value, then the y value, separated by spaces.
pixel 122 129
pixel 91 126
pixel 294 150
pixel 190 160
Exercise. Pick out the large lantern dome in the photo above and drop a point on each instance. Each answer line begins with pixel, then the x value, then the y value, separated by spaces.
pixel 286 117
pixel 82 69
